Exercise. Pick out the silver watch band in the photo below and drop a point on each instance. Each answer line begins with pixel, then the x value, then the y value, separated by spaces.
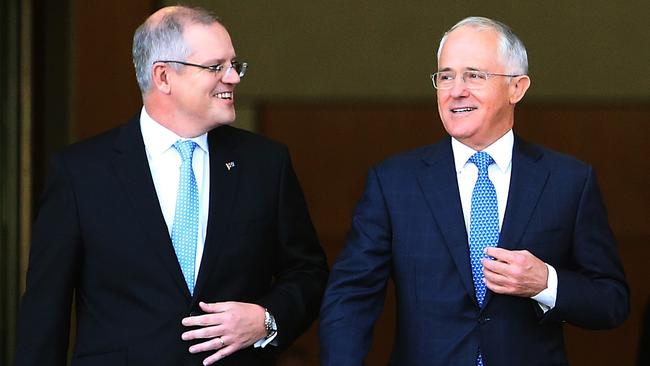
pixel 269 324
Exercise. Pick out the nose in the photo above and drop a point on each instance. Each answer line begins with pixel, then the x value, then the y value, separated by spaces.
pixel 231 76
pixel 459 89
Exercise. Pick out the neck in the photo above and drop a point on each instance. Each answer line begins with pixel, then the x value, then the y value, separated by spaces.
pixel 169 118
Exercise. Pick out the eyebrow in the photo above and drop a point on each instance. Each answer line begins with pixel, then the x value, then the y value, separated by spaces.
pixel 219 61
pixel 466 69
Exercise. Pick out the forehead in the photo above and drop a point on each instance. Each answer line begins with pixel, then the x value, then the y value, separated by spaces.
pixel 470 48
pixel 208 42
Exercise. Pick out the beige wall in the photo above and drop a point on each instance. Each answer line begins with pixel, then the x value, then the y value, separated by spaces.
pixel 336 49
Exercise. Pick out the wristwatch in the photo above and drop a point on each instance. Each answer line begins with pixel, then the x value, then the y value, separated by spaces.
pixel 269 323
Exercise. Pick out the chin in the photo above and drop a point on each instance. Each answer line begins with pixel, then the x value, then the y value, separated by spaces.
pixel 457 129
pixel 224 119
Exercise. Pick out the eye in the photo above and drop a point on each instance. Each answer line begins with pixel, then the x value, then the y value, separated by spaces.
pixel 446 76
pixel 214 68
pixel 475 75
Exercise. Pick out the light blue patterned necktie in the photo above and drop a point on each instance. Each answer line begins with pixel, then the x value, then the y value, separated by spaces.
pixel 484 220
pixel 484 225
pixel 185 229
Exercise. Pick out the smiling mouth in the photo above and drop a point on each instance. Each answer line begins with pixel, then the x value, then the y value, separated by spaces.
pixel 462 110
pixel 224 95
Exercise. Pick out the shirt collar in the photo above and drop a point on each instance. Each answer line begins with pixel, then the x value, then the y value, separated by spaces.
pixel 158 139
pixel 500 151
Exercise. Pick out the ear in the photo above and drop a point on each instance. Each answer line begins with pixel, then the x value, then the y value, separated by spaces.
pixel 518 87
pixel 160 78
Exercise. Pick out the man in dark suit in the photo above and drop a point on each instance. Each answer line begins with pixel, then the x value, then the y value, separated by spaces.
pixel 182 240
pixel 492 242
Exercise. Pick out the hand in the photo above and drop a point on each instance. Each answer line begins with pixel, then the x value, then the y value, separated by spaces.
pixel 226 327
pixel 514 272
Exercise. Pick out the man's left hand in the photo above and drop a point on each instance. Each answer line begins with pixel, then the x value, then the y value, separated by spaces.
pixel 226 328
pixel 514 272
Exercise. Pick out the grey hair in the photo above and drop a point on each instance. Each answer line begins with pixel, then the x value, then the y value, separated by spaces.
pixel 163 40
pixel 511 48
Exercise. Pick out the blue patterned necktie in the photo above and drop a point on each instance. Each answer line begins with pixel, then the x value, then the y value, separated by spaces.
pixel 185 229
pixel 484 220
pixel 484 224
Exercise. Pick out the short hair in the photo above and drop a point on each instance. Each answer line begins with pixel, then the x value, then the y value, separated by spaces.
pixel 511 48
pixel 163 40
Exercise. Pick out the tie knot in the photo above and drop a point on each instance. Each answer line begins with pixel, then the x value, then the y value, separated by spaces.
pixel 185 148
pixel 482 160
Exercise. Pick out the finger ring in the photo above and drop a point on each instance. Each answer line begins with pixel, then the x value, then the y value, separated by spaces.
pixel 221 340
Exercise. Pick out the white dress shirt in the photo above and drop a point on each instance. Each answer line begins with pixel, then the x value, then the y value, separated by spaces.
pixel 165 163
pixel 499 173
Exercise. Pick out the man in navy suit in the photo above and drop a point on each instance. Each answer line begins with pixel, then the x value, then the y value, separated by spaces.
pixel 554 259
pixel 247 275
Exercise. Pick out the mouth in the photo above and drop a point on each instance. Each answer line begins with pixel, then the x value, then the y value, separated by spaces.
pixel 462 110
pixel 224 95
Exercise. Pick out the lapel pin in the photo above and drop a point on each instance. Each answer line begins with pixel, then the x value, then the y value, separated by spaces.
pixel 230 165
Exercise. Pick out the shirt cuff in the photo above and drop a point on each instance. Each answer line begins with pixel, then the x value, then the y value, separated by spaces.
pixel 266 341
pixel 546 298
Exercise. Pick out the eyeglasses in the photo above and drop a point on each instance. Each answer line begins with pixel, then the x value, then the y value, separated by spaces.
pixel 240 67
pixel 473 79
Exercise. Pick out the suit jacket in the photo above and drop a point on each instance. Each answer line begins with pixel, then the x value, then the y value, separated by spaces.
pixel 100 235
pixel 409 226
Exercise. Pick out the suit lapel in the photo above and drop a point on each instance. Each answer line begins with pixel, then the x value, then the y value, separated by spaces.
pixel 527 182
pixel 133 172
pixel 225 169
pixel 440 187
